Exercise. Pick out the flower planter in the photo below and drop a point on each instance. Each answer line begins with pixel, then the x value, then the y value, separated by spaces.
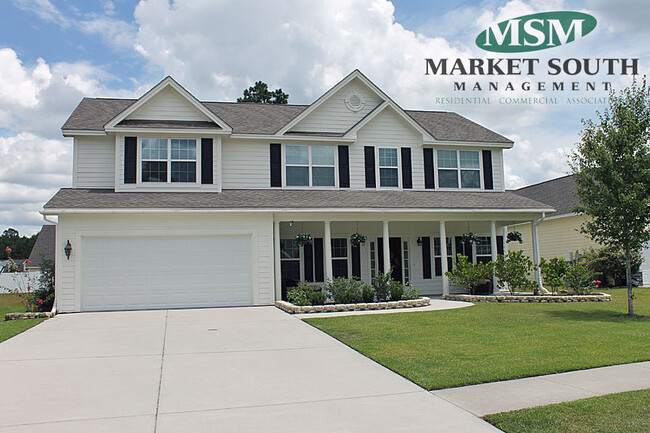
pixel 595 297
pixel 330 308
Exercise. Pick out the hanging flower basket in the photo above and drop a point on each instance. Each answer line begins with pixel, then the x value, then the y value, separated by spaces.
pixel 357 239
pixel 303 239
pixel 470 237
pixel 514 236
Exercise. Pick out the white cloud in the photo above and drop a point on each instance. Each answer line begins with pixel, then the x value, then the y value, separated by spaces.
pixel 45 10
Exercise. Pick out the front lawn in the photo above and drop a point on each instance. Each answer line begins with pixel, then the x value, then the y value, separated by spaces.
pixel 10 303
pixel 626 412
pixel 490 342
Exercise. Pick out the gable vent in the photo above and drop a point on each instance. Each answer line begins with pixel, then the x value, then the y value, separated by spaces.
pixel 354 101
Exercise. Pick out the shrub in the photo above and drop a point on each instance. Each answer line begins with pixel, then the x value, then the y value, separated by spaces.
pixel 469 275
pixel 381 284
pixel 396 290
pixel 513 271
pixel 411 292
pixel 609 264
pixel 316 297
pixel 44 294
pixel 298 297
pixel 367 294
pixel 580 278
pixel 344 291
pixel 554 272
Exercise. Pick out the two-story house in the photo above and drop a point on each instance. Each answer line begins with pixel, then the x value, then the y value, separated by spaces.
pixel 182 203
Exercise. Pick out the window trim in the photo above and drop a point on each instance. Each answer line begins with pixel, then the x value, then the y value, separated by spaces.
pixel 169 160
pixel 347 258
pixel 300 259
pixel 450 254
pixel 458 169
pixel 378 168
pixel 310 167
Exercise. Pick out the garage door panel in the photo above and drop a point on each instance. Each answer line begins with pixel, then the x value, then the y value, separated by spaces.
pixel 166 272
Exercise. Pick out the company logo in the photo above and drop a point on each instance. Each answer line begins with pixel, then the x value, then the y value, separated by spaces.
pixel 536 32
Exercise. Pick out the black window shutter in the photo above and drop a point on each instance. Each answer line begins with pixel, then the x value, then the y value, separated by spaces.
pixel 379 254
pixel 356 261
pixel 426 257
pixel 487 169
pixel 130 158
pixel 429 175
pixel 206 161
pixel 500 245
pixel 344 167
pixel 276 165
pixel 464 248
pixel 369 154
pixel 309 262
pixel 407 178
pixel 319 273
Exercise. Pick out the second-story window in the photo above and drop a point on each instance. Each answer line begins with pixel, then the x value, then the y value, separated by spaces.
pixel 388 167
pixel 310 165
pixel 168 160
pixel 459 168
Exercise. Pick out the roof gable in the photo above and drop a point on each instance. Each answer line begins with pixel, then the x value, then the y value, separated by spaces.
pixel 167 101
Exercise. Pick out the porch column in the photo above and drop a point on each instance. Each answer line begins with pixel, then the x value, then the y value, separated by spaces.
pixel 386 254
pixel 493 248
pixel 276 260
pixel 538 273
pixel 443 257
pixel 327 246
pixel 505 238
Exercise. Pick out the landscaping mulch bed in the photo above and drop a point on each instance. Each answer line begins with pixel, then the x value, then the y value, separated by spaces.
pixel 330 308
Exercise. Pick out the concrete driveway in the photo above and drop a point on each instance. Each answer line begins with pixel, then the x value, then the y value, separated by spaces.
pixel 211 370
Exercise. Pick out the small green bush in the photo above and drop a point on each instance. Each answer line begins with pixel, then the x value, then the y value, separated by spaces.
pixel 44 294
pixel 513 271
pixel 554 272
pixel 317 297
pixel 469 275
pixel 367 294
pixel 298 297
pixel 580 278
pixel 396 290
pixel 411 292
pixel 344 291
pixel 609 264
pixel 381 284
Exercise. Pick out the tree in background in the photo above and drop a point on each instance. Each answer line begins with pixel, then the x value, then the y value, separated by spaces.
pixel 260 93
pixel 20 246
pixel 611 165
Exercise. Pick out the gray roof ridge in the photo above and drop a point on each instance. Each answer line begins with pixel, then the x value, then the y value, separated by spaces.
pixel 542 182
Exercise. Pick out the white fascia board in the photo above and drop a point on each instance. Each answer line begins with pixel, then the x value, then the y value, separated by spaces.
pixel 201 131
pixel 503 145
pixel 167 82
pixel 74 132
pixel 275 138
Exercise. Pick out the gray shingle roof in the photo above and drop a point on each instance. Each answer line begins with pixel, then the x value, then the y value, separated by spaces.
pixel 177 124
pixel 45 246
pixel 560 194
pixel 69 198
pixel 250 118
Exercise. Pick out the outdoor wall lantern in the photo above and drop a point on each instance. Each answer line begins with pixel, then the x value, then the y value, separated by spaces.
pixel 419 241
pixel 67 249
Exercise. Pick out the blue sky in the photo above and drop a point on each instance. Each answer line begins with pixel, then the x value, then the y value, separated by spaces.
pixel 54 52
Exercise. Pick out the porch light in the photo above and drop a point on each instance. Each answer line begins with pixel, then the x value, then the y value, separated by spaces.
pixel 419 241
pixel 67 250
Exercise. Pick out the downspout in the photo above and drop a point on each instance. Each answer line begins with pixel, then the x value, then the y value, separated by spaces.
pixel 536 259
pixel 56 223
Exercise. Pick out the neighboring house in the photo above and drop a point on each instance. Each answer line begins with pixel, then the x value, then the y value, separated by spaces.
pixel 559 232
pixel 44 247
pixel 181 203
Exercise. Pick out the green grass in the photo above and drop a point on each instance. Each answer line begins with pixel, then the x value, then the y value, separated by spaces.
pixel 490 342
pixel 11 304
pixel 626 412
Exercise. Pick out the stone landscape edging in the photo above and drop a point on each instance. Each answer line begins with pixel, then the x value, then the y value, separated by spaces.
pixel 331 308
pixel 28 315
pixel 596 297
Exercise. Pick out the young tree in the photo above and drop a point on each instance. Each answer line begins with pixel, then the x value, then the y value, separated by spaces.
pixel 612 169
pixel 260 93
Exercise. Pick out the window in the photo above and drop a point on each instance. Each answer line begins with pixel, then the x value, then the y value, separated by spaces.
pixel 407 274
pixel 340 257
pixel 459 167
pixel 373 261
pixel 438 257
pixel 310 165
pixel 159 154
pixel 388 167
pixel 483 249
pixel 289 262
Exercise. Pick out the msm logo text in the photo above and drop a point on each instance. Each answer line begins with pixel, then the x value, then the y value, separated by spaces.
pixel 536 32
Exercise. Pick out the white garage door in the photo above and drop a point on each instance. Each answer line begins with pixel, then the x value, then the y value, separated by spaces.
pixel 166 272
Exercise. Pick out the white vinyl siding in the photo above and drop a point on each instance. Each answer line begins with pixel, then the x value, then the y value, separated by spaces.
pixel 498 177
pixel 78 227
pixel 168 105
pixel 94 162
pixel 387 129
pixel 246 164
pixel 334 116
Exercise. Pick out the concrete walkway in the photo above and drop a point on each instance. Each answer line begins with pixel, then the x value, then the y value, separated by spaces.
pixel 517 394
pixel 212 370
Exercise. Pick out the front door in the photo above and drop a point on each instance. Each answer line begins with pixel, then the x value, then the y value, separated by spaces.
pixel 395 246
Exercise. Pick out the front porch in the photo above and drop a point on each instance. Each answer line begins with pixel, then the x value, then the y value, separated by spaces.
pixel 413 251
